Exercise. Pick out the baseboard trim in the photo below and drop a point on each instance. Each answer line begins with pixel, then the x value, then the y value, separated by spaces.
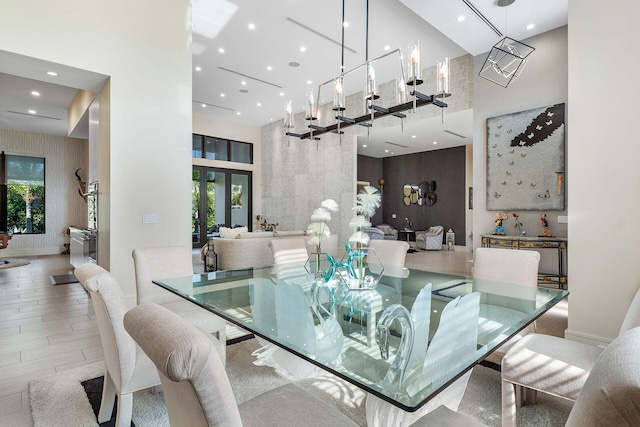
pixel 586 338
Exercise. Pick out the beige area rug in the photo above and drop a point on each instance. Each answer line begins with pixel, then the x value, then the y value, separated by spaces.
pixel 13 262
pixel 60 400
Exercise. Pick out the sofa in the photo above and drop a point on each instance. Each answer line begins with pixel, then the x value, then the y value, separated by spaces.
pixel 251 249
pixel 430 239
pixel 390 233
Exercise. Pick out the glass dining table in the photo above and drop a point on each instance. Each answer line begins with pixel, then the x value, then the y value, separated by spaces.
pixel 404 341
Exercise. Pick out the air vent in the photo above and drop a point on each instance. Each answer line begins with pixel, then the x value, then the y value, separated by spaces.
pixel 318 33
pixel 397 145
pixel 33 115
pixel 212 105
pixel 249 77
pixel 455 134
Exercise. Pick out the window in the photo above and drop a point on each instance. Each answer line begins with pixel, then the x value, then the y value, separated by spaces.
pixel 22 194
pixel 212 148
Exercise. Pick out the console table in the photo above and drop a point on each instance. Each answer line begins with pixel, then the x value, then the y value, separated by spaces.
pixel 534 242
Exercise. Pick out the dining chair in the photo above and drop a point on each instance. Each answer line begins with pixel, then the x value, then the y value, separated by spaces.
pixel 289 257
pixel 196 387
pixel 551 365
pixel 127 368
pixel 610 396
pixel 172 261
pixel 510 266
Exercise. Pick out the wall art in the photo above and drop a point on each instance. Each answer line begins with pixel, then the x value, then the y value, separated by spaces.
pixel 525 160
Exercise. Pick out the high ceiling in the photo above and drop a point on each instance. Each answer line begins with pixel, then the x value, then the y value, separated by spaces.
pixel 249 81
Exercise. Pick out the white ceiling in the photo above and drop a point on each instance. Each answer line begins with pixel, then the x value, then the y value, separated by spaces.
pixel 276 41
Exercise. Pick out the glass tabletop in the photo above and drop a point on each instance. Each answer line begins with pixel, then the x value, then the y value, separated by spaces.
pixel 404 340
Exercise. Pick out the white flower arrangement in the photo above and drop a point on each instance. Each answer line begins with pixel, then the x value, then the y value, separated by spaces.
pixel 318 227
pixel 367 201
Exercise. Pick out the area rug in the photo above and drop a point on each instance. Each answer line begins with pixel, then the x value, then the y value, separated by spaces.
pixel 61 400
pixel 63 279
pixel 12 262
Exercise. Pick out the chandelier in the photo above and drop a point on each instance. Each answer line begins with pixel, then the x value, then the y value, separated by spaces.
pixel 370 92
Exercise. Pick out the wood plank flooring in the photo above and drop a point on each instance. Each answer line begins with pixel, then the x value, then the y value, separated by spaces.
pixel 46 329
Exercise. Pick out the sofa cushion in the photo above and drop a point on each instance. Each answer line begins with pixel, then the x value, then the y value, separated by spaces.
pixel 232 233
pixel 289 233
pixel 256 235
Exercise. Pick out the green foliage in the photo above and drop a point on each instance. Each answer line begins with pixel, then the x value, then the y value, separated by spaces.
pixel 17 208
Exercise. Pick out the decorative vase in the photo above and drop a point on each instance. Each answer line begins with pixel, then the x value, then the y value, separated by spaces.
pixel 321 265
pixel 360 268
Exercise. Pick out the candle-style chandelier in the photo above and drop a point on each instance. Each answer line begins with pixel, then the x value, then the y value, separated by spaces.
pixel 372 110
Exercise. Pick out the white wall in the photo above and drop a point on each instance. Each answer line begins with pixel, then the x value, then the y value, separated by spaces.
pixel 63 205
pixel 543 82
pixel 604 181
pixel 145 47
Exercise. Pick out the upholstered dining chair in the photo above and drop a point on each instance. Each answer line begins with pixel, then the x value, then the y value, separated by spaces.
pixel 289 256
pixel 172 261
pixel 551 365
pixel 127 368
pixel 610 396
pixel 510 266
pixel 196 387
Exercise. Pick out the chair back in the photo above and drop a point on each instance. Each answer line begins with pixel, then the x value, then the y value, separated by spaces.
pixel 632 318
pixel 110 306
pixel 160 263
pixel 507 265
pixel 611 394
pixel 391 253
pixel 196 387
pixel 289 256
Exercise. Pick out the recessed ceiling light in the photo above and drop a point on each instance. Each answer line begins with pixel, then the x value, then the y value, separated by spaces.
pixel 238 113
pixel 252 26
pixel 222 95
pixel 32 111
pixel 204 105
pixel 281 93
pixel 52 73
pixel 413 136
pixel 460 18
pixel 303 49
pixel 269 68
pixel 435 142
pixel 294 64
pixel 386 151
pixel 259 104
pixel 198 69
pixel 531 26
pixel 35 93
pixel 309 82
pixel 243 83
pixel 387 47
pixel 346 24
pixel 364 145
pixel 221 50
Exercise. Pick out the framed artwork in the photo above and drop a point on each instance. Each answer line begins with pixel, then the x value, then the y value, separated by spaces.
pixel 525 160
pixel 360 186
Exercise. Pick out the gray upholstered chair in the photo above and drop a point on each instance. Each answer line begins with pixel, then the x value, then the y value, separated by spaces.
pixel 610 396
pixel 390 233
pixel 374 233
pixel 196 387
pixel 510 266
pixel 551 365
pixel 127 368
pixel 172 261
pixel 430 239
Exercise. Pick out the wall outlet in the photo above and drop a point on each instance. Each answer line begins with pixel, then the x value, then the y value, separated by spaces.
pixel 149 219
pixel 563 219
pixel 393 216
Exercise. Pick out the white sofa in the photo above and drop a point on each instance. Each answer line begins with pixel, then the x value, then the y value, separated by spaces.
pixel 251 249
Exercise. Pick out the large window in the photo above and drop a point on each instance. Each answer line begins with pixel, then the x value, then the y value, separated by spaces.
pixel 22 194
pixel 220 198
pixel 211 148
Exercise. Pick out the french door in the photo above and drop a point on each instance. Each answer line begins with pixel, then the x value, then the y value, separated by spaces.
pixel 220 198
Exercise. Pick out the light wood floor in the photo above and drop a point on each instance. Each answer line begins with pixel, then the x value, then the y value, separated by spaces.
pixel 46 329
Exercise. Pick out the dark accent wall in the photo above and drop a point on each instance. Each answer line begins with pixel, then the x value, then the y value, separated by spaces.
pixel 446 167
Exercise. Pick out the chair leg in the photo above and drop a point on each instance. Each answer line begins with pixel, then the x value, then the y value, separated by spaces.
pixel 108 398
pixel 531 396
pixel 125 410
pixel 508 404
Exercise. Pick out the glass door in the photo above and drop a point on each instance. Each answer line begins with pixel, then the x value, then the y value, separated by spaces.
pixel 220 198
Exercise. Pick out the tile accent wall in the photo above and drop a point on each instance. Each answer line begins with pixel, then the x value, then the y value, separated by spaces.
pixel 297 175
pixel 64 206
